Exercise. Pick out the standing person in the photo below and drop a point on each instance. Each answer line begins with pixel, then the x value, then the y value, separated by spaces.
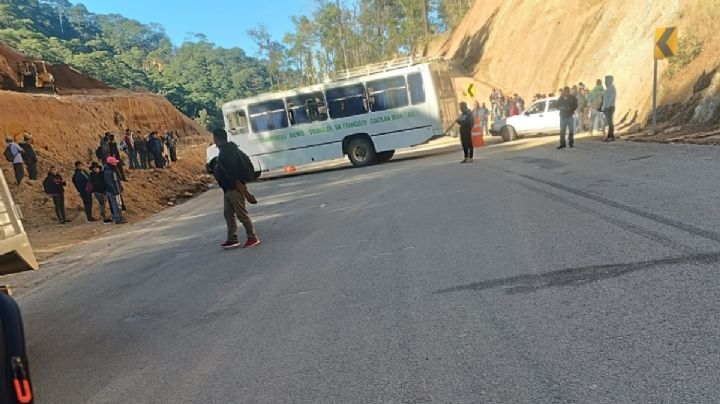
pixel 140 145
pixel 232 170
pixel 113 187
pixel 115 152
pixel 29 156
pixel 103 150
pixel 580 111
pixel 483 114
pixel 154 148
pixel 567 104
pixel 96 185
pixel 80 179
pixel 466 123
pixel 14 154
pixel 171 145
pixel 595 102
pixel 54 186
pixel 132 153
pixel 609 107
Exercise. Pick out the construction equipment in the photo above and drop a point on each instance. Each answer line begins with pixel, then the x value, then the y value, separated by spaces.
pixel 16 254
pixel 35 77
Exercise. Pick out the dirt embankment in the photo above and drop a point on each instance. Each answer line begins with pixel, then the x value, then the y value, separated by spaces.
pixel 530 47
pixel 67 128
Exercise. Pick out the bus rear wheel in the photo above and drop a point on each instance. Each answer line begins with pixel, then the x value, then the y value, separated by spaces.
pixel 384 156
pixel 361 152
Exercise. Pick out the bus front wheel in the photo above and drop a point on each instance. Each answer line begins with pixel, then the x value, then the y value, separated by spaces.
pixel 361 152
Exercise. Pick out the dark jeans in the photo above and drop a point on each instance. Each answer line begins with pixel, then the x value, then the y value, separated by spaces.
pixel 173 154
pixel 143 160
pixel 32 170
pixel 59 202
pixel 101 198
pixel 19 172
pixel 114 208
pixel 610 122
pixel 567 124
pixel 133 158
pixel 159 161
pixel 466 141
pixel 87 204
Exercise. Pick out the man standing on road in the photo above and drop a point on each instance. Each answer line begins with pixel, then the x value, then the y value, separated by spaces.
pixel 567 104
pixel 595 101
pixel 579 120
pixel 232 170
pixel 80 179
pixel 14 154
pixel 609 107
pixel 113 187
pixel 130 149
pixel 466 123
pixel 483 114
pixel 29 156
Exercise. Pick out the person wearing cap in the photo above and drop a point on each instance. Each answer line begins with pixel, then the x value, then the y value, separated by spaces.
pixel 96 185
pixel 80 179
pixel 15 153
pixel 54 185
pixel 113 187
pixel 29 156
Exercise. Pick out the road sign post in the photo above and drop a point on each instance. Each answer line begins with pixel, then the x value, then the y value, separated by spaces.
pixel 665 47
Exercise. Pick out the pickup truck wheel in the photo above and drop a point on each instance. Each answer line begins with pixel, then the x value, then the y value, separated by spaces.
pixel 508 133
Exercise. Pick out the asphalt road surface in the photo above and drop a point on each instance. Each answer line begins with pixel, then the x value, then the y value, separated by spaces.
pixel 529 276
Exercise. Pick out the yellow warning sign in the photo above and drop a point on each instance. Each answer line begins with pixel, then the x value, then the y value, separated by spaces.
pixel 666 42
pixel 470 91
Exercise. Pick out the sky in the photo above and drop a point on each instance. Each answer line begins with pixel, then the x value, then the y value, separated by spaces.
pixel 224 22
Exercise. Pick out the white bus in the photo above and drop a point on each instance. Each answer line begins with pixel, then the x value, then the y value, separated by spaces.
pixel 366 114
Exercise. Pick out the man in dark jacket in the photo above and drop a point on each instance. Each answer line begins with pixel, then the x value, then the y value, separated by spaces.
pixel 115 152
pixel 113 187
pixel 80 179
pixel 141 149
pixel 154 147
pixel 466 122
pixel 54 185
pixel 567 104
pixel 232 170
pixel 171 145
pixel 29 157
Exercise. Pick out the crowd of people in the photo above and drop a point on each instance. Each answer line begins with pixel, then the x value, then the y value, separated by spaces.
pixel 580 109
pixel 103 181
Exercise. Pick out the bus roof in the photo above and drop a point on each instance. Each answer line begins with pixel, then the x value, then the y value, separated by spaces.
pixel 353 76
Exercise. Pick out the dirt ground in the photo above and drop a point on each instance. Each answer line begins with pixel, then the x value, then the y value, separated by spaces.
pixel 66 128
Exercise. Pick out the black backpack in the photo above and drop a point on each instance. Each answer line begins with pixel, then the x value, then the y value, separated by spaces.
pixel 9 156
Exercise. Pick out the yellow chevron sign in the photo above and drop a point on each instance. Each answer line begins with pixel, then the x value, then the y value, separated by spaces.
pixel 470 90
pixel 666 42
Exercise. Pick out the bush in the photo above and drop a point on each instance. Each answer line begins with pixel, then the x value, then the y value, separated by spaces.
pixel 690 47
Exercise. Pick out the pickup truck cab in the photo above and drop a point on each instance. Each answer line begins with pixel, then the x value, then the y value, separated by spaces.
pixel 542 117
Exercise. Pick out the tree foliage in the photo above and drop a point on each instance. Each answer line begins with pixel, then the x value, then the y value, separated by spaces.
pixel 197 76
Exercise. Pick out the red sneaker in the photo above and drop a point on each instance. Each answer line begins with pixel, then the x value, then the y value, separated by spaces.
pixel 252 242
pixel 230 244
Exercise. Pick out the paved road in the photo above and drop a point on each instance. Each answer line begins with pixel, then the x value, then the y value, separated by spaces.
pixel 532 275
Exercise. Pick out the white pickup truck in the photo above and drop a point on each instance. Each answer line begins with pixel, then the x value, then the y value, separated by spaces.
pixel 543 117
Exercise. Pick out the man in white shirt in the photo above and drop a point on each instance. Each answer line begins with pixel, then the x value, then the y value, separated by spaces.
pixel 15 151
pixel 609 107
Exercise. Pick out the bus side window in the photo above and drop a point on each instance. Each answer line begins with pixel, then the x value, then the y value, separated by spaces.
pixel 417 92
pixel 268 115
pixel 306 108
pixel 346 101
pixel 237 122
pixel 388 93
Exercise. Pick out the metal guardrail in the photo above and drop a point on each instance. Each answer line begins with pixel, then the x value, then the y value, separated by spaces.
pixel 382 67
